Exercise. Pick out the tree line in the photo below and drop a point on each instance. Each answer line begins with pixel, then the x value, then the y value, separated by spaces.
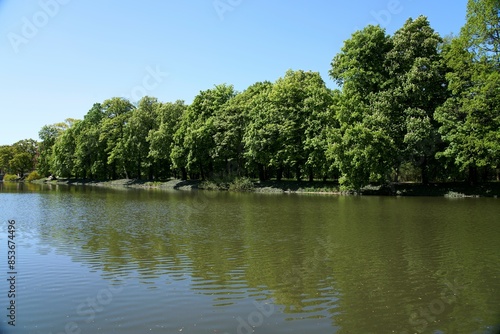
pixel 413 106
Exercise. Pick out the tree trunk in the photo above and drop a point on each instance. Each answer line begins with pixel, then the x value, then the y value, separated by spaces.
pixel 139 170
pixel 472 178
pixel 279 174
pixel 424 178
pixel 126 173
pixel 184 173
pixel 298 173
pixel 151 173
pixel 262 174
pixel 311 175
pixel 113 171
pixel 210 168
pixel 202 173
pixel 396 177
pixel 485 175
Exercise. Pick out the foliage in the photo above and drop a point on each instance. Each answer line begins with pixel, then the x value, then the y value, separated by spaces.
pixel 361 146
pixel 196 149
pixel 10 178
pixel 242 184
pixel 210 185
pixel 470 118
pixel 33 176
pixel 48 134
pixel 410 106
pixel 387 121
pixel 161 136
pixel 19 157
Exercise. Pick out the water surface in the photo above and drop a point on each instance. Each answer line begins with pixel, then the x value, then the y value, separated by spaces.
pixel 93 260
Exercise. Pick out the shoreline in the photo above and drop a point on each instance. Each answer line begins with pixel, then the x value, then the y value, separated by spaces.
pixel 450 190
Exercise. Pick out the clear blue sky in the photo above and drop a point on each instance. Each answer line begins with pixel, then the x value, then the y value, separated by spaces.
pixel 59 57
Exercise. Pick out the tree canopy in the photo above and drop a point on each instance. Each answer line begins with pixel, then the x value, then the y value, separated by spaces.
pixel 411 106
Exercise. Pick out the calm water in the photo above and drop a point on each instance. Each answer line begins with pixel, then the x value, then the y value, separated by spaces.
pixel 93 260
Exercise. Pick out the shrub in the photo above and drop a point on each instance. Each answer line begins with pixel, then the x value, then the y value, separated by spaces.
pixel 10 177
pixel 33 176
pixel 209 185
pixel 241 184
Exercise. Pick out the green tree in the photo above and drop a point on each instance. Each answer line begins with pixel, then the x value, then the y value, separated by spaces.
pixel 24 158
pixel 48 135
pixel 360 67
pixel 363 150
pixel 21 162
pixel 194 146
pixel 90 155
pixel 417 86
pixel 321 102
pixel 117 112
pixel 161 137
pixel 302 102
pixel 470 118
pixel 6 154
pixel 231 122
pixel 287 124
pixel 136 131
pixel 260 138
pixel 63 153
pixel 391 87
pixel 361 146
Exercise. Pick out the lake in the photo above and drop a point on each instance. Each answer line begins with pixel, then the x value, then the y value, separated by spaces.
pixel 94 260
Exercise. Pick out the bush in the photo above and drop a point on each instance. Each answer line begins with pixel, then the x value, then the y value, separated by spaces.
pixel 241 184
pixel 10 177
pixel 33 176
pixel 209 185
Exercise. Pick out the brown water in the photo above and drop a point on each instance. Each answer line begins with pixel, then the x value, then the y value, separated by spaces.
pixel 93 260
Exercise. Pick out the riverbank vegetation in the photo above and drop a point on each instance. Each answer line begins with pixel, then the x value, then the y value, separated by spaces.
pixel 414 106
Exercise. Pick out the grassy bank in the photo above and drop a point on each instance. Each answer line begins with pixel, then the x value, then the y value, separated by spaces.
pixel 451 190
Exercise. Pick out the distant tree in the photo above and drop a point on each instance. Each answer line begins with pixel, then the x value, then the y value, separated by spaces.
pixel 416 88
pixel 24 159
pixel 112 135
pixel 360 67
pixel 231 122
pixel 261 135
pixel 194 145
pixel 167 121
pixel 21 163
pixel 6 154
pixel 391 86
pixel 361 146
pixel 48 135
pixel 287 122
pixel 302 102
pixel 90 156
pixel 470 118
pixel 136 131
pixel 63 153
